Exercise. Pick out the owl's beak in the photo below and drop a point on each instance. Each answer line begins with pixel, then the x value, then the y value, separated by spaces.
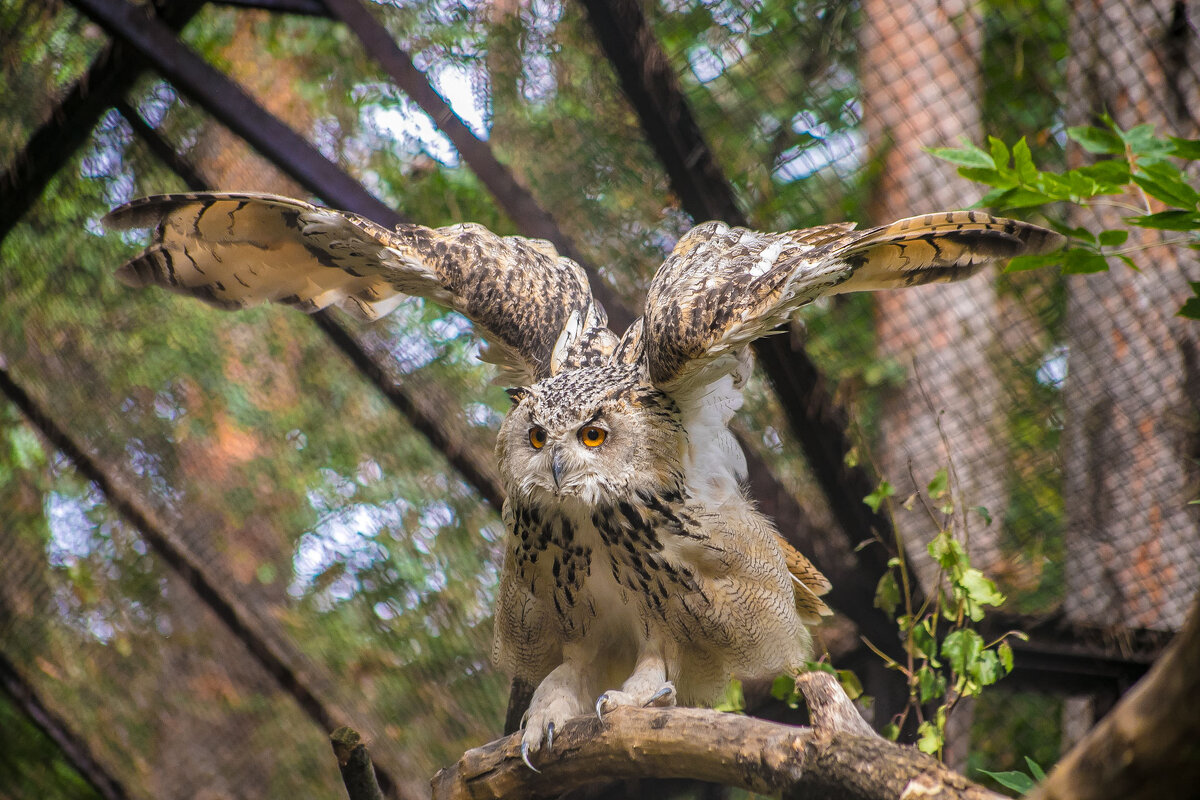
pixel 556 465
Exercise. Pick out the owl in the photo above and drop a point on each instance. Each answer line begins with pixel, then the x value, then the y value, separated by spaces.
pixel 637 570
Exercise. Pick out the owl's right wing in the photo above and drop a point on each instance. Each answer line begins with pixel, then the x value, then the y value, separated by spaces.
pixel 534 307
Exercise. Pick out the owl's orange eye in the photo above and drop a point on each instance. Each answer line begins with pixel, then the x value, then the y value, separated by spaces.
pixel 537 437
pixel 592 436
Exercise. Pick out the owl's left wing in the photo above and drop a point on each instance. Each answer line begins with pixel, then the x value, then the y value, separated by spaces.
pixel 722 287
pixel 534 307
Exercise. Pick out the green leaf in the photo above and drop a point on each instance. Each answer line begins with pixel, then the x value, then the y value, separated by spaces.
pixel 1185 148
pixel 930 741
pixel 1021 197
pixel 926 644
pixel 987 670
pixel 1017 781
pixel 875 499
pixel 1026 263
pixel 1027 173
pixel 1096 140
pixel 939 485
pixel 983 512
pixel 1190 309
pixel 1083 234
pixel 887 594
pixel 1035 769
pixel 1129 262
pixel 966 156
pixel 999 153
pixel 988 176
pixel 1073 187
pixel 1167 183
pixel 1144 144
pixel 1113 238
pixel 930 683
pixel 784 688
pixel 733 701
pixel 962 649
pixel 948 552
pixel 980 588
pixel 1112 173
pixel 1081 261
pixel 1005 652
pixel 1167 221
pixel 891 732
pixel 850 683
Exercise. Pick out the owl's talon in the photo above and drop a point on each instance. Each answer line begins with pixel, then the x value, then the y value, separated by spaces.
pixel 600 701
pixel 525 757
pixel 549 737
pixel 666 690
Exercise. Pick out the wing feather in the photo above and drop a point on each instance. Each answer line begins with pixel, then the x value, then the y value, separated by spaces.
pixel 722 287
pixel 238 250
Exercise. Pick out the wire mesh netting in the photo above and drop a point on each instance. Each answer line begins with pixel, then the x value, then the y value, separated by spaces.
pixel 256 540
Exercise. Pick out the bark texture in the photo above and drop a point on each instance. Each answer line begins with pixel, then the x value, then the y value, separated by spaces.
pixel 840 757
pixel 1149 746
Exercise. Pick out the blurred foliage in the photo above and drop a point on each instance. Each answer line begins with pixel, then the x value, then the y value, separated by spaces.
pixel 1010 727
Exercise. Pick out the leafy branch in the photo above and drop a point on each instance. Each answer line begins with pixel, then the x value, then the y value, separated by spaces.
pixel 1132 165
pixel 946 657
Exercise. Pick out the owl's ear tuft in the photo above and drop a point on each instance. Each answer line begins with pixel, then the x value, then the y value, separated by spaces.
pixel 517 394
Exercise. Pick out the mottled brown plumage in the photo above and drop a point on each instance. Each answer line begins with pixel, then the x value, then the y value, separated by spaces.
pixel 636 570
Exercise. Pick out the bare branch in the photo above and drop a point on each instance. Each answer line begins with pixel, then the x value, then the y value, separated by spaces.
pixel 358 773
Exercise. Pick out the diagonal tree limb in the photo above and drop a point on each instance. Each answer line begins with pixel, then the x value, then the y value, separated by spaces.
pixel 516 200
pixel 151 39
pixel 70 124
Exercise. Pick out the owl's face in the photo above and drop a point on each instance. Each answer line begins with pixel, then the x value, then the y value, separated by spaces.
pixel 591 434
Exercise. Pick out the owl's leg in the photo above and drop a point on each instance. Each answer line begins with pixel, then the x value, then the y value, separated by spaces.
pixel 556 699
pixel 647 686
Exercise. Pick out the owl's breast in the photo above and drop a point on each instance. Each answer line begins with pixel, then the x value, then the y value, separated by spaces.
pixel 590 560
pixel 554 555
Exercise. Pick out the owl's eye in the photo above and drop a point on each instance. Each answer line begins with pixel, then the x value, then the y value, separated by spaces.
pixel 537 437
pixel 592 436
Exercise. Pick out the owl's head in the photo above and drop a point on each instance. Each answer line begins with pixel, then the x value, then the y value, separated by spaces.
pixel 595 434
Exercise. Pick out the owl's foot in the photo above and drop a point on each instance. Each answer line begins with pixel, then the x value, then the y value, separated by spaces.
pixel 662 695
pixel 554 702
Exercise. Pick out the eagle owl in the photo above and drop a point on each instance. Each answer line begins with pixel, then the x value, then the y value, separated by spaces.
pixel 636 568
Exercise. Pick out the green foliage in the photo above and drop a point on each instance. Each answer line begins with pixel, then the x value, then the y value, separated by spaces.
pixel 1020 782
pixel 946 658
pixel 1134 163
pixel 783 688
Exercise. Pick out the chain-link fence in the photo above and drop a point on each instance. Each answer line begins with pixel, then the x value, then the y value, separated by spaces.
pixel 224 534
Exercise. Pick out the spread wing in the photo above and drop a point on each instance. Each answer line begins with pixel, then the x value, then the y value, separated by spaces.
pixel 232 251
pixel 723 287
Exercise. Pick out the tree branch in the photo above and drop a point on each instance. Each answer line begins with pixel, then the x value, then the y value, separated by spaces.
pixel 358 773
pixel 1149 746
pixel 839 757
